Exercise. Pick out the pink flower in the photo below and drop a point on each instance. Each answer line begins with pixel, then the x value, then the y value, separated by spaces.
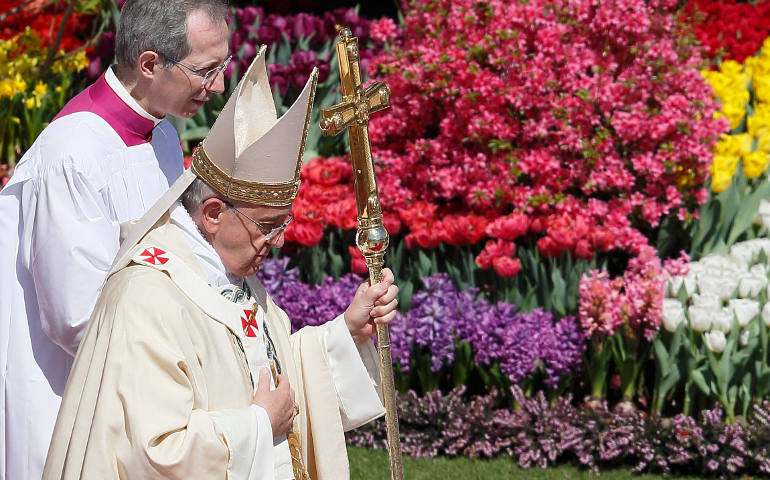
pixel 383 30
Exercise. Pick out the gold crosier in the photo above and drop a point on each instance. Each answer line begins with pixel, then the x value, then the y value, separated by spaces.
pixel 372 238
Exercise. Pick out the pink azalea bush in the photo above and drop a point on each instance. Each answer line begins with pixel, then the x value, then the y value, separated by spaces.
pixel 575 124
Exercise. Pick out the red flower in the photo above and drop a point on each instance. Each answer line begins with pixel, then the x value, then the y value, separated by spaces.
pixel 392 223
pixel 509 227
pixel 425 237
pixel 463 230
pixel 494 249
pixel 342 214
pixel 506 267
pixel 357 261
pixel 305 231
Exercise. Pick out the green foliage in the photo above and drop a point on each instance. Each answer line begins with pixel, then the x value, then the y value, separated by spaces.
pixel 727 218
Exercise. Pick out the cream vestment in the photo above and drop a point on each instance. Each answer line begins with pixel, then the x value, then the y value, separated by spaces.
pixel 162 387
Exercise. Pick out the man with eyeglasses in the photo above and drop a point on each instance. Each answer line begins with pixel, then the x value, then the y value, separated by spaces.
pixel 188 369
pixel 103 160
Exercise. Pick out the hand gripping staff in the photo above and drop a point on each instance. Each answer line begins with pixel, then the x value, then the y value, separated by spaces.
pixel 372 238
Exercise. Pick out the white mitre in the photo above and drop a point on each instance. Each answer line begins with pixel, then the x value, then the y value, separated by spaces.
pixel 249 153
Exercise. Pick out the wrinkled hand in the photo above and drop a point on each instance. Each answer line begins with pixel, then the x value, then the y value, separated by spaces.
pixel 278 403
pixel 371 304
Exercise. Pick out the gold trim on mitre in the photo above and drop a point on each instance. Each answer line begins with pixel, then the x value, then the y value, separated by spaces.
pixel 278 194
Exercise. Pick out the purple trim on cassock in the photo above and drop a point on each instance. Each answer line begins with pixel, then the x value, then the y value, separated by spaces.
pixel 100 99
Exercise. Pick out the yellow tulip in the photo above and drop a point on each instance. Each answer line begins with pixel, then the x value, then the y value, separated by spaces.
pixel 737 145
pixel 755 163
pixel 762 87
pixel 734 108
pixel 759 123
pixel 763 142
pixel 720 180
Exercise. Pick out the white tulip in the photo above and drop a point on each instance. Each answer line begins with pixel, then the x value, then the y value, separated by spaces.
pixel 744 338
pixel 673 314
pixel 759 270
pixel 695 268
pixel 766 314
pixel 673 285
pixel 744 310
pixel 722 320
pixel 764 207
pixel 762 244
pixel 750 285
pixel 690 283
pixel 707 300
pixel 715 341
pixel 744 252
pixel 700 317
pixel 722 286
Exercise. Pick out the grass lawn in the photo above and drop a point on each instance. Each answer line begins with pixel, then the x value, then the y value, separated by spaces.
pixel 368 464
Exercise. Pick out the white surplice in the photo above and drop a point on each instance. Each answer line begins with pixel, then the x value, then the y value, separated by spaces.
pixel 162 384
pixel 103 161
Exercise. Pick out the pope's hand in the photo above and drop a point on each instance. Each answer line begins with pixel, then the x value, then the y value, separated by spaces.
pixel 278 403
pixel 371 304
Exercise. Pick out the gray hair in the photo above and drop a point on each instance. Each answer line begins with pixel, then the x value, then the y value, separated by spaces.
pixel 197 193
pixel 159 26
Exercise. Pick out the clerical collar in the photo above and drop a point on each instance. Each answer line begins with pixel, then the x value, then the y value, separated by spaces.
pixel 215 271
pixel 118 88
pixel 111 101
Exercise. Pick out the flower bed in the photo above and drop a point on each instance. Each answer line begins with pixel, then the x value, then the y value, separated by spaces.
pixel 539 433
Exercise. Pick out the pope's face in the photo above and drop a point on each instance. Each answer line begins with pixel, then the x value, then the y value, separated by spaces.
pixel 240 243
pixel 180 92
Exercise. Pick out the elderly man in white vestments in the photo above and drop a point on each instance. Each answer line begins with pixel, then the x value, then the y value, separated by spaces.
pixel 187 368
pixel 106 158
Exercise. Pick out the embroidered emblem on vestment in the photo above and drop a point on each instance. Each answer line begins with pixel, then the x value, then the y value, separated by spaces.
pixel 154 256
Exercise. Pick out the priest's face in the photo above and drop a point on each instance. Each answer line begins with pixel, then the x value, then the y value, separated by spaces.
pixel 241 239
pixel 180 89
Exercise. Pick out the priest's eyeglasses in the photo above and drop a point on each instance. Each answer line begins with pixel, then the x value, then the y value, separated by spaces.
pixel 209 76
pixel 269 233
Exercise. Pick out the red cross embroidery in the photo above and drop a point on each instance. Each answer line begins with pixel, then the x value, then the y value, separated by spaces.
pixel 249 326
pixel 154 256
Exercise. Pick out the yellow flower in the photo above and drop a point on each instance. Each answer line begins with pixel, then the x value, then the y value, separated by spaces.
pixel 720 180
pixel 761 85
pixel 40 89
pixel 759 123
pixel 736 145
pixel 763 142
pixel 6 88
pixel 19 85
pixel 755 163
pixel 32 102
pixel 734 107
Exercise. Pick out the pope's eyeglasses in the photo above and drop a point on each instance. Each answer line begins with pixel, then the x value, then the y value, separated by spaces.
pixel 269 233
pixel 209 76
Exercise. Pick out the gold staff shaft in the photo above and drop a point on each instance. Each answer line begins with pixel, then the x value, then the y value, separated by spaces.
pixel 371 237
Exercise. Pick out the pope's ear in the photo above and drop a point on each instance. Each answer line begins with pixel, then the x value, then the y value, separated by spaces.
pixel 149 63
pixel 211 212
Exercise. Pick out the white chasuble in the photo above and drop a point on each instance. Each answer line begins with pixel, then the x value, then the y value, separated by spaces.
pixel 162 384
pixel 101 162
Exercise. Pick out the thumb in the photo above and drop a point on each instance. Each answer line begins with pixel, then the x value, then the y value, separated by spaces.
pixel 263 384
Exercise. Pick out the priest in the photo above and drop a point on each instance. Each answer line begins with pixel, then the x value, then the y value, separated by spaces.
pixel 187 368
pixel 106 158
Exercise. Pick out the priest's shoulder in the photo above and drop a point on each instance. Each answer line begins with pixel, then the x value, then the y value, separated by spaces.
pixel 82 142
pixel 144 290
